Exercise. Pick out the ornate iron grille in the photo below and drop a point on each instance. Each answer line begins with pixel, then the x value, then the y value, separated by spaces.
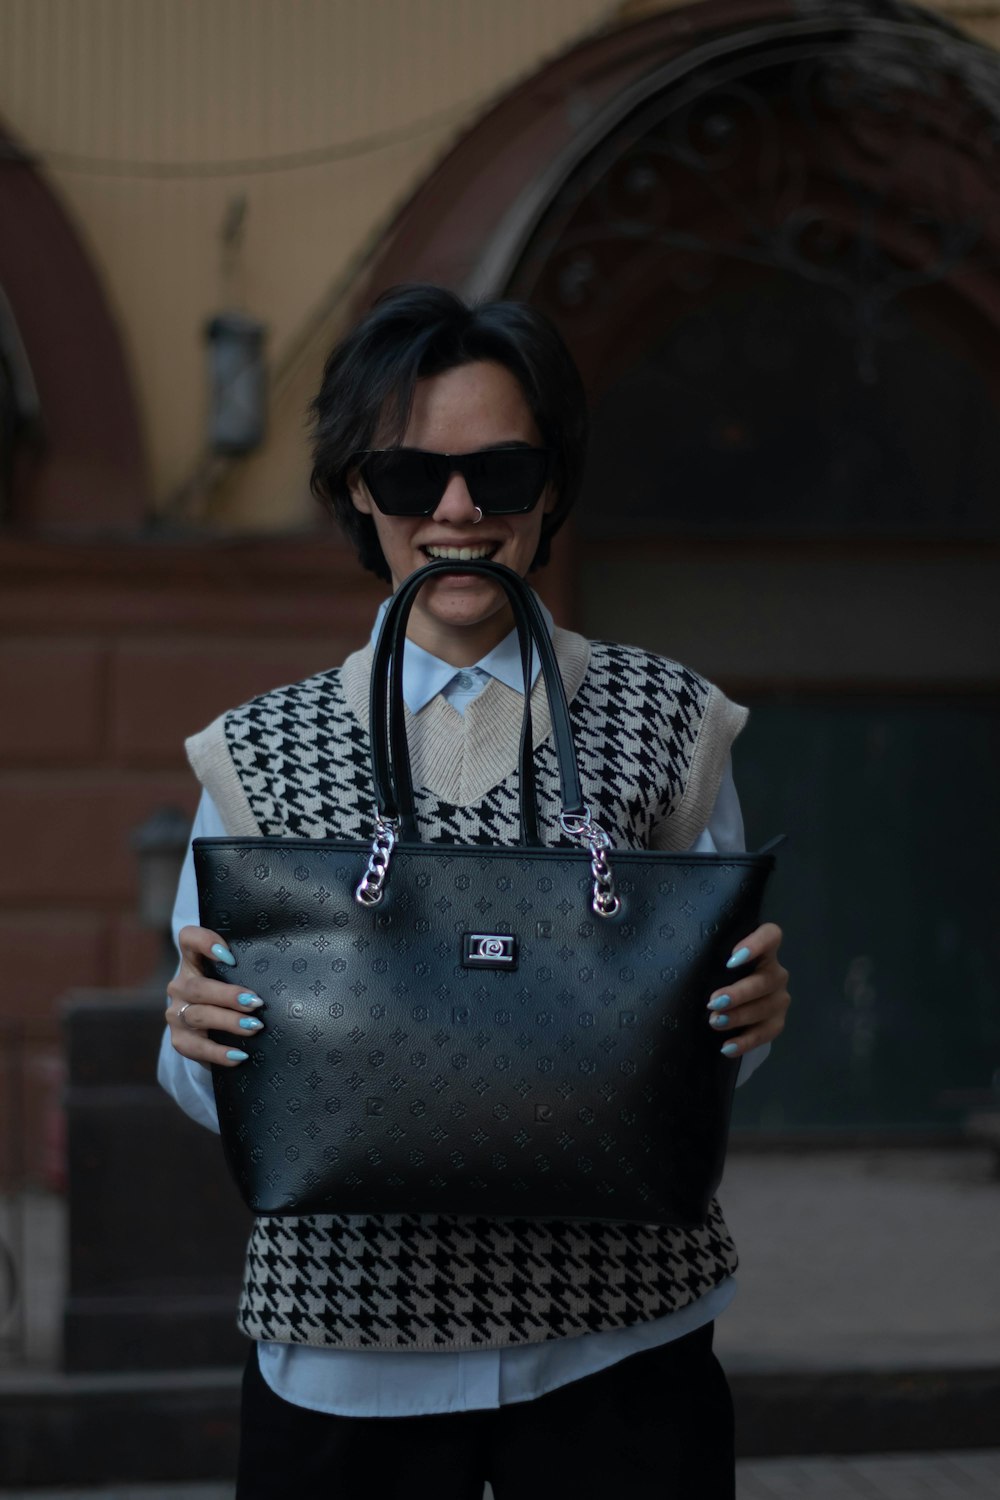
pixel 800 219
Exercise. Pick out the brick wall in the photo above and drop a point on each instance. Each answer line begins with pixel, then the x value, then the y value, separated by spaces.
pixel 110 653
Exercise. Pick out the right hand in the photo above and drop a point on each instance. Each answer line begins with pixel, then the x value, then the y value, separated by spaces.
pixel 211 1004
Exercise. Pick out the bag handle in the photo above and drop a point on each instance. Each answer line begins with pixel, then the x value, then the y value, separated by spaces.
pixel 399 754
pixel 390 756
pixel 390 753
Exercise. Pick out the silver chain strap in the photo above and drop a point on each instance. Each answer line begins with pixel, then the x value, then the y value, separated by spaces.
pixel 592 836
pixel 369 892
pixel 589 834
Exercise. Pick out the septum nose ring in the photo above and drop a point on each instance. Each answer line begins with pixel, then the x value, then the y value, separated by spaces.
pixel 479 516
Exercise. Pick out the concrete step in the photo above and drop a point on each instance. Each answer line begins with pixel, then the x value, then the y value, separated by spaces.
pixel 969 1475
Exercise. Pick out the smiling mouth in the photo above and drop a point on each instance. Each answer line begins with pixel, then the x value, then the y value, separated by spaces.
pixel 462 554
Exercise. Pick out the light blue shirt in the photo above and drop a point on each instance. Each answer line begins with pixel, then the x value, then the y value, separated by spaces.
pixel 371 1383
pixel 424 675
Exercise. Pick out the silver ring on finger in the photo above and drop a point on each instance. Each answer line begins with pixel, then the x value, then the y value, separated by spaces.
pixel 180 1014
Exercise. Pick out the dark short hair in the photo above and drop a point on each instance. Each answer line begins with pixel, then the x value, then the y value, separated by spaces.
pixel 415 331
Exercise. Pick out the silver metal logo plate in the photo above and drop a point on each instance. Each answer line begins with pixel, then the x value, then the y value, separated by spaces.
pixel 489 950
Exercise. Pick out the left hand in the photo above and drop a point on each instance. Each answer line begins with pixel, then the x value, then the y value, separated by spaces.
pixel 759 1001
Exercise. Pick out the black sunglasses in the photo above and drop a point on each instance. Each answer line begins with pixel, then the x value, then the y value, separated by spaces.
pixel 410 482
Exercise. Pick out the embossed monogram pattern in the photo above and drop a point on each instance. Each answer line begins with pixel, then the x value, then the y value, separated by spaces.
pixel 440 1280
pixel 393 1077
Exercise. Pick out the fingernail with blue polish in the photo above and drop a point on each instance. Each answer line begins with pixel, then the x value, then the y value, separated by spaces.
pixel 739 957
pixel 250 1001
pixel 721 1002
pixel 222 954
pixel 250 1024
pixel 718 1020
pixel 235 1055
pixel 730 1049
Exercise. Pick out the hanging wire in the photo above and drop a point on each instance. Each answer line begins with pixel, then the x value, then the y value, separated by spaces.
pixel 290 161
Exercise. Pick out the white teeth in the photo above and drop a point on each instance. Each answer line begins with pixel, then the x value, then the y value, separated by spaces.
pixel 458 554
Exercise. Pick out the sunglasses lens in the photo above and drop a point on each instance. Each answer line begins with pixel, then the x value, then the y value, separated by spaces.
pixel 506 482
pixel 404 481
pixel 502 482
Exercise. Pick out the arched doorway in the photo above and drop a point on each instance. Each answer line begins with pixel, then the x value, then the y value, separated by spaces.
pixel 72 458
pixel 772 238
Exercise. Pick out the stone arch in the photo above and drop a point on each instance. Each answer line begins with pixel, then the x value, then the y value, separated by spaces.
pixel 475 219
pixel 74 453
pixel 855 178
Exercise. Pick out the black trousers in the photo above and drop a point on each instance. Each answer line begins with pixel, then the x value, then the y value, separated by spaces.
pixel 659 1424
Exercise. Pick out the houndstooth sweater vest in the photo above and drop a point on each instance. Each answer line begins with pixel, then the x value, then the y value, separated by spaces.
pixel 652 740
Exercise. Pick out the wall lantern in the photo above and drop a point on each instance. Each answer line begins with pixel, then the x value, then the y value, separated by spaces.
pixel 237 383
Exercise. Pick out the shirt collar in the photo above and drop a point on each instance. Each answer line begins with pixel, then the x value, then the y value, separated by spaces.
pixel 425 675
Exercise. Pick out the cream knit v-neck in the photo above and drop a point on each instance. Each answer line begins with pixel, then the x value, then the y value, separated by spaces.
pixel 461 757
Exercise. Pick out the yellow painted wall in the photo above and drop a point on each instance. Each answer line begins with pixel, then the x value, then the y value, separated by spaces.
pixel 152 116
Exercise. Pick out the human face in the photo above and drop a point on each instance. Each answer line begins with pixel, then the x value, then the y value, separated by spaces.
pixel 460 617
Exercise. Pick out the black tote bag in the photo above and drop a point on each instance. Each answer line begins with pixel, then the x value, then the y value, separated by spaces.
pixel 508 1032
